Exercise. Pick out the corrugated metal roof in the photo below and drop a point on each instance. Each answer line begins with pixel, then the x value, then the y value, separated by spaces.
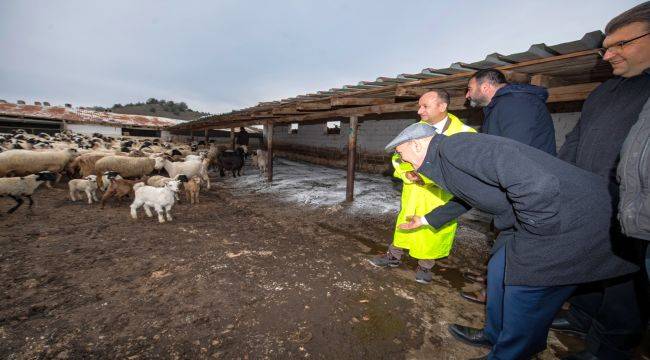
pixel 84 116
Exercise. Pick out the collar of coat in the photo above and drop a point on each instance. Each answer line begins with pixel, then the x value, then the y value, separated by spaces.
pixel 431 165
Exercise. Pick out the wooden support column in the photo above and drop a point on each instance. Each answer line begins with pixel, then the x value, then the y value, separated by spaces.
pixel 232 138
pixel 191 135
pixel 269 151
pixel 207 139
pixel 352 157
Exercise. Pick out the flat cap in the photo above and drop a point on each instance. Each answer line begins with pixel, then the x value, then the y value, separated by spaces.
pixel 412 132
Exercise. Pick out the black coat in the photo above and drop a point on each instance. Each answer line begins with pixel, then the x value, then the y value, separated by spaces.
pixel 609 112
pixel 554 216
pixel 518 112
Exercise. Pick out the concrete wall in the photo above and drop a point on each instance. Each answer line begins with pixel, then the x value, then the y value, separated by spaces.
pixel 94 128
pixel 312 143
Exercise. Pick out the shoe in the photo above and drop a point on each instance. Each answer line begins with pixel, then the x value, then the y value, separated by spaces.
pixel 469 335
pixel 583 355
pixel 562 324
pixel 479 298
pixel 474 278
pixel 386 260
pixel 423 276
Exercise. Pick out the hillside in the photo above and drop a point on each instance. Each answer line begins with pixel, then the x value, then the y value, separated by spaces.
pixel 155 107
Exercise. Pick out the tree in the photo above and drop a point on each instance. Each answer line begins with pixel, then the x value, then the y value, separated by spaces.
pixel 151 101
pixel 152 109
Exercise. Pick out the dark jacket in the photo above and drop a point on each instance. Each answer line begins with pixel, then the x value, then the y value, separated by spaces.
pixel 518 112
pixel 554 216
pixel 607 116
pixel 241 138
pixel 634 178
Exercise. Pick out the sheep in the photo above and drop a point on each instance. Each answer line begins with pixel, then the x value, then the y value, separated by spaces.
pixel 260 160
pixel 192 189
pixel 127 166
pixel 87 185
pixel 25 162
pixel 17 187
pixel 189 168
pixel 158 198
pixel 118 188
pixel 106 179
pixel 85 163
pixel 232 161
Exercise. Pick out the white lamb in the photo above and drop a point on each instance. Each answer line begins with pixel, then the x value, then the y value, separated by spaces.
pixel 87 185
pixel 157 198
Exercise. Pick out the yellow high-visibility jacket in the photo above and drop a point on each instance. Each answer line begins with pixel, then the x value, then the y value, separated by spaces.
pixel 425 242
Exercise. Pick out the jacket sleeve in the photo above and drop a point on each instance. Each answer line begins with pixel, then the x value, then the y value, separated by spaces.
pixel 569 150
pixel 447 212
pixel 532 191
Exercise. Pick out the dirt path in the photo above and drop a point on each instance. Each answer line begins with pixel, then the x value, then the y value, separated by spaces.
pixel 239 276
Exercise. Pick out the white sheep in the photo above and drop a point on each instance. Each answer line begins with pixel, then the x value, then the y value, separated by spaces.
pixel 87 185
pixel 152 197
pixel 17 187
pixel 127 166
pixel 189 168
pixel 260 159
pixel 26 162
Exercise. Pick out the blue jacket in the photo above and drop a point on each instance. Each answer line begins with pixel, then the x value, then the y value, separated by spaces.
pixel 518 112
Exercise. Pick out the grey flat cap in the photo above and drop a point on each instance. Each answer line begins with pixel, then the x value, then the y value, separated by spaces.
pixel 415 131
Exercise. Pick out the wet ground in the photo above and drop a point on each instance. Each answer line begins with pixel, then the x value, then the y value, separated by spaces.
pixel 253 271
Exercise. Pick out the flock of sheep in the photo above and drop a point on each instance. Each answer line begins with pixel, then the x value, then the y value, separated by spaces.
pixel 116 166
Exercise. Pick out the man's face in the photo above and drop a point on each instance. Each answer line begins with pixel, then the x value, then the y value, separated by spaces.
pixel 632 58
pixel 476 94
pixel 431 108
pixel 412 152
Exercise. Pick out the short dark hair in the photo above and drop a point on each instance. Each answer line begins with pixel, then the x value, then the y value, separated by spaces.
pixel 443 95
pixel 639 13
pixel 493 76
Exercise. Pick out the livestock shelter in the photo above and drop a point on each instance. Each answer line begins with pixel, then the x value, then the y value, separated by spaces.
pixel 349 126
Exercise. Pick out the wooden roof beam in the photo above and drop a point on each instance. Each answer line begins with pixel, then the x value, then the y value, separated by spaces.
pixel 359 101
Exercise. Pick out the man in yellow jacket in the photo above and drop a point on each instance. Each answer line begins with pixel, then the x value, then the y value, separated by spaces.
pixel 420 195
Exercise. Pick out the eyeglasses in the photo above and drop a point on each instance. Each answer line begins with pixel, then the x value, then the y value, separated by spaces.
pixel 618 46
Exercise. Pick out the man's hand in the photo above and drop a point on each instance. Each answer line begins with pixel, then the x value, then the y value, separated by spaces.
pixel 414 222
pixel 414 177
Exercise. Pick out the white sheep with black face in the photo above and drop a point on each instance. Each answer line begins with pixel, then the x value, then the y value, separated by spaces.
pixel 87 185
pixel 158 198
pixel 17 187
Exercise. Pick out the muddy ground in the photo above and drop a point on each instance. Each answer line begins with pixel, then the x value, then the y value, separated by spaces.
pixel 238 276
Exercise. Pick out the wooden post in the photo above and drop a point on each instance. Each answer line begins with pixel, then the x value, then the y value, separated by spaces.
pixel 191 135
pixel 232 138
pixel 269 151
pixel 207 139
pixel 352 157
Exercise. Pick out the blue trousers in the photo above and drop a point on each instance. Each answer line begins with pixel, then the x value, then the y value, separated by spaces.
pixel 518 317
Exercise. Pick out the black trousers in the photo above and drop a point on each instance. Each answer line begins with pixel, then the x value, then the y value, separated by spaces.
pixel 613 312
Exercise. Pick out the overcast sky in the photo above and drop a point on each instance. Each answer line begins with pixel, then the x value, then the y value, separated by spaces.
pixel 223 55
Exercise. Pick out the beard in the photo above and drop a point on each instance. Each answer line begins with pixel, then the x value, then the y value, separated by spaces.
pixel 474 103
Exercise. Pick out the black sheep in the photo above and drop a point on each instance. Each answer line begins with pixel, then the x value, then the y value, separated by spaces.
pixel 231 161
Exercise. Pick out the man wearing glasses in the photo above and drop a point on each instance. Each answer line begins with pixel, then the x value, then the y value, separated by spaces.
pixel 608 313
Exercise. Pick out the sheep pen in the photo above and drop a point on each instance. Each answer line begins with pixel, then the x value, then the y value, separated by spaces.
pixel 240 274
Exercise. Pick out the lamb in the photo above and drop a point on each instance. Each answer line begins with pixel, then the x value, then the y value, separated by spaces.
pixel 118 188
pixel 158 198
pixel 87 185
pixel 106 179
pixel 17 187
pixel 26 162
pixel 127 166
pixel 192 189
